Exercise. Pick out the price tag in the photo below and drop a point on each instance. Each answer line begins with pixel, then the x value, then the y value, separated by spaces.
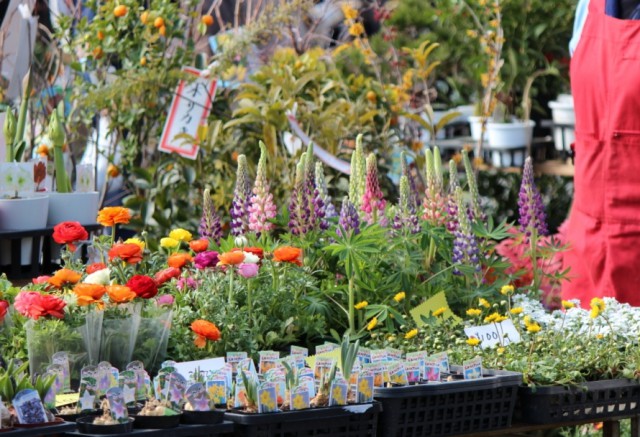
pixel 494 334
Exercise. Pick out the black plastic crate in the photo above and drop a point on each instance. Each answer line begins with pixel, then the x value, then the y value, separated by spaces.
pixel 348 421
pixel 449 408
pixel 590 400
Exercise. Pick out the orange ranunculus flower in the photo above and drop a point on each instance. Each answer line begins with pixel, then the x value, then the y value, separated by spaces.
pixel 231 258
pixel 94 267
pixel 90 293
pixel 288 254
pixel 204 331
pixel 179 259
pixel 120 293
pixel 199 245
pixel 64 276
pixel 128 252
pixel 112 215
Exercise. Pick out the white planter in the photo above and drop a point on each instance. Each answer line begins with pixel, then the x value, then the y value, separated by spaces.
pixel 562 112
pixel 475 124
pixel 465 111
pixel 515 135
pixel 75 207
pixel 24 214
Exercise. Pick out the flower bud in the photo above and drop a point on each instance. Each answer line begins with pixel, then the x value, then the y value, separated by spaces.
pixel 9 127
pixel 56 130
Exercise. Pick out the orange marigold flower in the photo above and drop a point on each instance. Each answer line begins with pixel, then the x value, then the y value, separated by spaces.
pixel 88 294
pixel 64 276
pixel 112 215
pixel 288 254
pixel 204 331
pixel 179 259
pixel 120 293
pixel 199 245
pixel 231 258
pixel 128 252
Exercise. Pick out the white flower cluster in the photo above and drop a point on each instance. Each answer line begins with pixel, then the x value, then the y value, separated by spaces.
pixel 618 318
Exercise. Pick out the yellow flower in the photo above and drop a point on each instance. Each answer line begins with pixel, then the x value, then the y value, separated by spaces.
pixel 440 311
pixel 298 402
pixel 473 341
pixel 181 235
pixel 492 318
pixel 474 312
pixel 400 296
pixel 361 305
pixel 598 303
pixel 500 350
pixel 501 318
pixel 267 400
pixel 533 327
pixel 527 320
pixel 595 312
pixel 169 243
pixel 599 336
pixel 349 12
pixel 516 310
pixel 507 290
pixel 356 29
pixel 567 304
pixel 136 241
pixel 411 334
pixel 364 387
pixel 484 302
pixel 372 324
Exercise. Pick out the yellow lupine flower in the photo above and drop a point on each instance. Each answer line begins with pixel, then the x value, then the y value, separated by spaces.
pixel 372 324
pixel 135 241
pixel 181 235
pixel 516 310
pixel 361 305
pixel 411 334
pixel 440 311
pixel 507 290
pixel 473 341
pixel 484 302
pixel 169 243
pixel 399 296
pixel 474 312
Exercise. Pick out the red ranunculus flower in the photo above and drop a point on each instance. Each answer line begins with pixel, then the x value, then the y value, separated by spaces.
pixel 165 275
pixel 92 268
pixel 35 305
pixel 256 251
pixel 128 252
pixel 143 286
pixel 4 307
pixel 69 233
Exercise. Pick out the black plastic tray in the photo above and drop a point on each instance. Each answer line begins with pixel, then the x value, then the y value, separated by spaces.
pixel 202 417
pixel 221 429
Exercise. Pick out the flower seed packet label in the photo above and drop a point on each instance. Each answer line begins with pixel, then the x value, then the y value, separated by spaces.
pixel 196 394
pixel 217 391
pixel 87 393
pixel 299 351
pixel 268 360
pixel 420 356
pixel 472 368
pixel 58 382
pixel 355 372
pixel 104 376
pixel 168 363
pixel 17 179
pixel 310 383
pixel 62 358
pixel 128 382
pixel 414 371
pixel 443 359
pixel 378 371
pixel 327 347
pixel 234 358
pixel 222 374
pixel 267 398
pixel 89 372
pixel 338 392
pixel 115 376
pixel 365 388
pixel 379 356
pixel 300 398
pixel 50 396
pixel 85 178
pixel 117 405
pixel 138 368
pixel 397 373
pixel 364 355
pixel 323 366
pixel 240 394
pixel 432 370
pixel 177 386
pixel 29 408
pixel 248 367
pixel 394 354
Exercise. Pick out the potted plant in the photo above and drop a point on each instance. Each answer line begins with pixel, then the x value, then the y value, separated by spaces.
pixel 563 115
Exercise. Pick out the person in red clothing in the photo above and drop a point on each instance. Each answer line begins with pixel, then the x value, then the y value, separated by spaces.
pixel 604 224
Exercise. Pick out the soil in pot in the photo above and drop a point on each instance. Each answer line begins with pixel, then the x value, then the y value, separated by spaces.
pixel 86 426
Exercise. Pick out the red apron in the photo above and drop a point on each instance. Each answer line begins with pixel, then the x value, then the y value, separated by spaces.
pixel 604 225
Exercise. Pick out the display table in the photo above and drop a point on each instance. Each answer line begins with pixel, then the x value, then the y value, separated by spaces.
pixel 40 431
pixel 611 428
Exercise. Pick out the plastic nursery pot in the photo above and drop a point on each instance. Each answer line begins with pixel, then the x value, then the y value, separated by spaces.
pixel 75 416
pixel 58 421
pixel 156 422
pixel 211 417
pixel 86 426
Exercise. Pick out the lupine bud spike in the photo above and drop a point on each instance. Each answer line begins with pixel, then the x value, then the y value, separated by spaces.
pixel 437 167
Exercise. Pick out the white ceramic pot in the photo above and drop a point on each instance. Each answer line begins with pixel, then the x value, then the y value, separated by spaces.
pixel 465 111
pixel 562 112
pixel 475 123
pixel 23 214
pixel 76 207
pixel 515 135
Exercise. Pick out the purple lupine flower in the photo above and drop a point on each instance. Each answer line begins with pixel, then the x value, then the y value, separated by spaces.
pixel 465 245
pixel 208 258
pixel 349 218
pixel 452 204
pixel 261 209
pixel 475 211
pixel 532 215
pixel 405 213
pixel 322 201
pixel 241 199
pixel 210 226
pixel 435 202
pixel 299 204
pixel 373 203
pixel 315 205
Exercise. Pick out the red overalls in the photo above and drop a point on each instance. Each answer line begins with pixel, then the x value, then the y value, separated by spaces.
pixel 604 225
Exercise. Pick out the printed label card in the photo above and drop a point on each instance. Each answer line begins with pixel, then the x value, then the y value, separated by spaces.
pixel 87 392
pixel 268 360
pixel 85 178
pixel 414 371
pixel 248 367
pixel 472 368
pixel 29 408
pixel 364 355
pixel 217 391
pixel 355 371
pixel 58 382
pixel 138 368
pixel 365 387
pixel 298 350
pixel 89 372
pixel 234 358
pixel 50 396
pixel 323 367
pixel 240 393
pixel 432 369
pixel 17 179
pixel 267 398
pixel 443 359
pixel 62 358
pixel 104 377
pixel 177 386
pixel 397 373
pixel 196 394
pixel 128 382
pixel 327 347
pixel 378 371
pixel 379 356
pixel 168 363
pixel 310 383
pixel 420 356
pixel 494 334
pixel 300 398
pixel 117 405
pixel 394 354
pixel 338 392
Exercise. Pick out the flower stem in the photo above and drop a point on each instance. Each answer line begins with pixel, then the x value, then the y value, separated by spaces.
pixel 230 299
pixel 352 308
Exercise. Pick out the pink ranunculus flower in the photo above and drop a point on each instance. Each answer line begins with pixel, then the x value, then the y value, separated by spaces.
pixel 41 279
pixel 206 259
pixel 186 283
pixel 165 299
pixel 248 270
pixel 25 300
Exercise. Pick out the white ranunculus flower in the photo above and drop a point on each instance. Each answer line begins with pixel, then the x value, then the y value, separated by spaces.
pixel 240 241
pixel 251 258
pixel 100 277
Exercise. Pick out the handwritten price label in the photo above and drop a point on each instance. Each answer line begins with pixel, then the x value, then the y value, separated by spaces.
pixel 494 334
